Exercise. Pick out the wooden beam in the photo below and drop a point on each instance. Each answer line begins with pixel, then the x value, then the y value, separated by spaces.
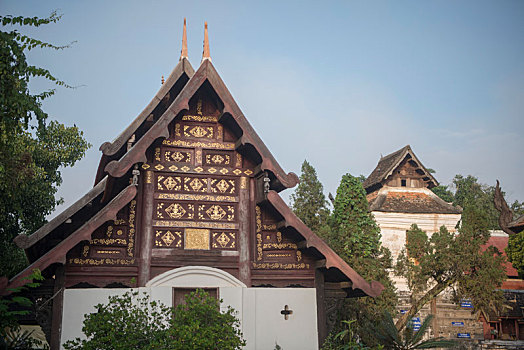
pixel 302 245
pixel 321 307
pixel 57 311
pixel 146 229
pixel 339 285
pixel 320 263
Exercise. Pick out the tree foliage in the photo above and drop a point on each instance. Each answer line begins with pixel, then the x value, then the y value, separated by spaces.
pixel 355 236
pixel 132 321
pixel 433 263
pixel 32 148
pixel 515 252
pixel 308 201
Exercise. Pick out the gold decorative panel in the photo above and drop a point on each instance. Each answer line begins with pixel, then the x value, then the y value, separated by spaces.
pixel 225 186
pixel 198 131
pixel 223 240
pixel 168 238
pixel 196 238
pixel 218 158
pixel 216 212
pixel 170 210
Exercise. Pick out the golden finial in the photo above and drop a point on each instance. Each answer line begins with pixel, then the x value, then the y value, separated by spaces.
pixel 183 53
pixel 205 54
pixel 162 80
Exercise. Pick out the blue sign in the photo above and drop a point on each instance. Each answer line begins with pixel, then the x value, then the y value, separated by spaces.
pixel 457 324
pixel 415 321
pixel 467 304
pixel 403 311
pixel 463 335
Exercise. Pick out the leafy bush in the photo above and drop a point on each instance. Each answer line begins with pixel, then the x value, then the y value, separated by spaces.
pixel 131 321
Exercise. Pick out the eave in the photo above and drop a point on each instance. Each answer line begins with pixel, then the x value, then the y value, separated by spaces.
pixel 59 252
pixel 332 260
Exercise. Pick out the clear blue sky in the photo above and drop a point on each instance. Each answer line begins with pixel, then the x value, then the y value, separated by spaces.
pixel 338 83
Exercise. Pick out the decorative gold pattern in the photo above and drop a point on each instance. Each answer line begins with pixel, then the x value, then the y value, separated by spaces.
pixel 199 106
pixel 168 239
pixel 237 172
pixel 299 255
pixel 220 132
pixel 159 167
pixel 200 118
pixel 270 227
pixel 222 186
pixel 108 252
pixel 215 225
pixel 243 183
pixel 185 169
pixel 85 252
pixel 102 261
pixel 119 222
pixel 248 172
pixel 146 166
pixel 280 266
pixel 157 154
pixel 199 197
pixel 131 235
pixel 177 129
pixel 198 156
pixel 215 212
pixel 198 170
pixel 112 241
pixel 170 183
pixel 224 171
pixel 109 231
pixel 173 168
pixel 223 240
pixel 149 176
pixel 214 145
pixel 278 255
pixel 176 211
pixel 212 170
pixel 279 246
pixel 238 162
pixel 196 239
pixel 198 131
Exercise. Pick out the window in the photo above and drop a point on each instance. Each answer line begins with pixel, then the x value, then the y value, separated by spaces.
pixel 403 182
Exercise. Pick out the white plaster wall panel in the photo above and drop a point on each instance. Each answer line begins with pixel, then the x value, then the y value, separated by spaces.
pixel 78 302
pixel 248 318
pixel 299 331
pixel 231 296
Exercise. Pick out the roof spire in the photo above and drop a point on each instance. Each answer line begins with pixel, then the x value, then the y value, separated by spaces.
pixel 205 54
pixel 183 53
pixel 162 80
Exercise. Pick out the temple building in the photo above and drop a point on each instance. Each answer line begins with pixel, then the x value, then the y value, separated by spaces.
pixel 186 197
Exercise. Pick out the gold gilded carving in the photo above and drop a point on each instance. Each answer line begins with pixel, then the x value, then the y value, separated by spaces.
pixel 198 197
pixel 195 184
pixel 216 225
pixel 222 186
pixel 259 230
pixel 102 261
pixel 177 129
pixel 198 157
pixel 178 156
pixel 112 241
pixel 200 118
pixel 168 239
pixel 131 235
pixel 270 227
pixel 299 255
pixel 215 212
pixel 279 237
pixel 146 166
pixel 279 246
pixel 243 183
pixel 119 222
pixel 149 176
pixel 220 132
pixel 248 172
pixel 85 251
pixel 237 172
pixel 176 211
pixel 196 239
pixel 198 131
pixel 108 251
pixel 278 255
pixel 198 169
pixel 173 168
pixel 223 240
pixel 212 170
pixel 109 231
pixel 224 171
pixel 119 232
pixel 171 183
pixel 238 162
pixel 159 208
pixel 157 154
pixel 199 106
pixel 214 145
pixel 185 169
pixel 279 266
pixel 159 167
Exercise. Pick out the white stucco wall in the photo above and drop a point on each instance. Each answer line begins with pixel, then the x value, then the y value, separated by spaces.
pixel 258 309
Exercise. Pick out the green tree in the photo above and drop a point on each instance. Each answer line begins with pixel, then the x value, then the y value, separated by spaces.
pixel 32 148
pixel 132 321
pixel 355 236
pixel 445 259
pixel 515 251
pixel 444 193
pixel 308 201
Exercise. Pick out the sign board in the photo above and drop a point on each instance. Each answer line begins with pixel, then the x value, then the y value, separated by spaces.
pixel 467 304
pixel 416 323
pixel 463 335
pixel 457 324
pixel 403 311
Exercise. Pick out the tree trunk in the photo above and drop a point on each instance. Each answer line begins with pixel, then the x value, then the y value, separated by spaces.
pixel 419 304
